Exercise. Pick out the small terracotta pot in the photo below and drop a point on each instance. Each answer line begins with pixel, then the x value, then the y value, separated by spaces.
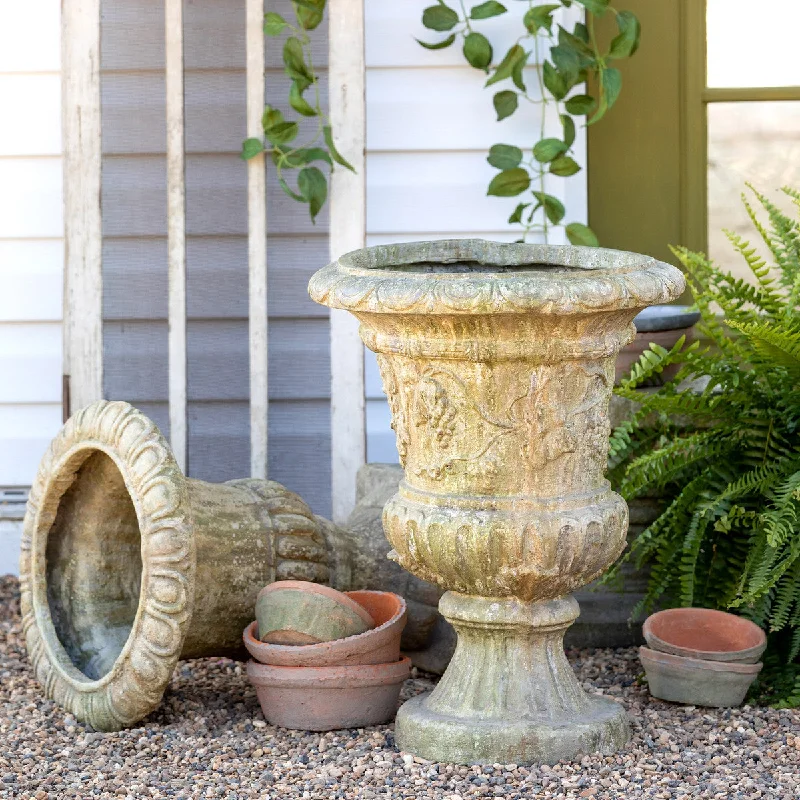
pixel 693 681
pixel 706 634
pixel 328 698
pixel 303 613
pixel 381 645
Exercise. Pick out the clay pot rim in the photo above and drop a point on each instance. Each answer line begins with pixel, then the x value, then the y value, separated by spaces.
pixel 338 677
pixel 725 656
pixel 126 436
pixel 687 663
pixel 289 652
pixel 326 591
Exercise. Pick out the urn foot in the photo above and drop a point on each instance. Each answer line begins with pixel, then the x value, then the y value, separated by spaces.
pixel 509 694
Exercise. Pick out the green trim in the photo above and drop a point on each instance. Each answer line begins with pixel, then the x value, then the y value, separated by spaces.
pixel 747 94
pixel 694 134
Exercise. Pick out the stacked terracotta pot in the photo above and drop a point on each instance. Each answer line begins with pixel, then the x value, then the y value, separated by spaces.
pixel 700 656
pixel 325 659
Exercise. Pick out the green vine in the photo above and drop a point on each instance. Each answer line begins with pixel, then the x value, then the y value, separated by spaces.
pixel 574 57
pixel 280 134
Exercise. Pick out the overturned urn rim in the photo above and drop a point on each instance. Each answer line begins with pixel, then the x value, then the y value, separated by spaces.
pixel 131 686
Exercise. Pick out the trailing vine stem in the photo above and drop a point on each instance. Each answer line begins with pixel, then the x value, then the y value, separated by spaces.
pixel 279 142
pixel 574 57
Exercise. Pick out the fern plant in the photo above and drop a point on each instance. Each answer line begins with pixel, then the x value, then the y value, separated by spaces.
pixel 726 450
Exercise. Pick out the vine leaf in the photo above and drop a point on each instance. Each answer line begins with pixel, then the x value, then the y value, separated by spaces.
pixel 546 150
pixel 580 234
pixel 309 13
pixel 491 8
pixel 288 190
pixel 274 24
pixel 596 7
pixel 554 81
pixel 294 61
pixel 313 188
pixel 335 154
pixel 539 17
pixel 478 51
pixel 569 130
pixel 504 156
pixel 438 45
pixel 505 69
pixel 299 157
pixel 516 215
pixel 299 103
pixel 505 104
pixel 553 207
pixel 564 166
pixel 439 18
pixel 626 43
pixel 509 183
pixel 282 133
pixel 251 148
pixel 580 104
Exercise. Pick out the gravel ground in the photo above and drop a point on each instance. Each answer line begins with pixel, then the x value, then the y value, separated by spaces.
pixel 209 739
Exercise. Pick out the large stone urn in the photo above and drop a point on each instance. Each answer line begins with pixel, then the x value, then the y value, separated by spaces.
pixel 498 361
pixel 127 565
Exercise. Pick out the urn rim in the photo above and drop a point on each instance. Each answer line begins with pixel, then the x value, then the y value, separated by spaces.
pixel 477 276
pixel 133 686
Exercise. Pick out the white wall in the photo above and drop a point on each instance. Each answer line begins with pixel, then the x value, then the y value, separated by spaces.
pixel 31 243
pixel 31 251
pixel 430 124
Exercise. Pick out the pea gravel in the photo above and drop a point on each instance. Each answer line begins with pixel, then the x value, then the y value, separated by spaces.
pixel 209 740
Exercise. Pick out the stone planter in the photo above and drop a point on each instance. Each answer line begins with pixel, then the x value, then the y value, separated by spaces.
pixel 128 566
pixel 498 361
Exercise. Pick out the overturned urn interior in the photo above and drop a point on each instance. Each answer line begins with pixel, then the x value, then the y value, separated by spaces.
pixel 127 565
pixel 94 566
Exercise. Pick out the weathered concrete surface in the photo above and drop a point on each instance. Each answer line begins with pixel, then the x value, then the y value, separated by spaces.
pixel 126 565
pixel 429 640
pixel 498 363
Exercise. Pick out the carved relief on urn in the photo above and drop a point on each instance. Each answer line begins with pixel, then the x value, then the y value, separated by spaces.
pixel 498 362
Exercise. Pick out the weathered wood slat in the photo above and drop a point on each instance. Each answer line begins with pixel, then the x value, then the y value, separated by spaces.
pixel 257 243
pixel 135 279
pixel 136 360
pixel 176 231
pixel 134 119
pixel 299 438
pixel 135 203
pixel 83 278
pixel 222 49
pixel 347 232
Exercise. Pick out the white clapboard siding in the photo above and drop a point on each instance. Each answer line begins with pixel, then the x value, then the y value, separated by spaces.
pixel 31 245
pixel 430 124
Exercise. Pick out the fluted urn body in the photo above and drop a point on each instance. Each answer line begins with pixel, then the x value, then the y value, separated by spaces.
pixel 498 362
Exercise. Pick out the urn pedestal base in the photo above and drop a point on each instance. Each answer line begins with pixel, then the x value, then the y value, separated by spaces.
pixel 509 694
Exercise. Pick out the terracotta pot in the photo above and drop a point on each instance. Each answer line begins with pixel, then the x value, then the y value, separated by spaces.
pixel 301 613
pixel 378 646
pixel 706 634
pixel 696 682
pixel 327 698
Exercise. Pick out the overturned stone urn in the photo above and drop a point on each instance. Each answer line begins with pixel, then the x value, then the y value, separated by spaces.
pixel 498 362
pixel 127 565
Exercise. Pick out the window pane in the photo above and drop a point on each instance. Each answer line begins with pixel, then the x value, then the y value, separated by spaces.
pixel 753 43
pixel 757 143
